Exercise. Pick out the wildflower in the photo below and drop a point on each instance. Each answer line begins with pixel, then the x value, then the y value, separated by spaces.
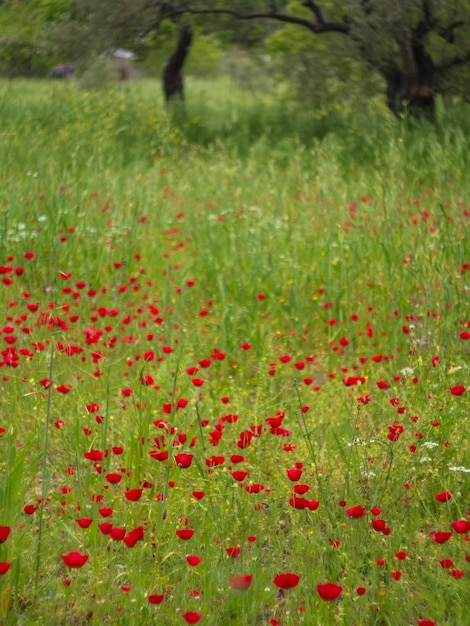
pixel 461 527
pixel 192 617
pixel 75 559
pixel 233 552
pixel 183 460
pixel 133 495
pixel 458 390
pixel 155 599
pixel 241 583
pixel 286 581
pixel 356 512
pixel 185 533
pixel 4 533
pixel 329 591
pixel 294 474
pixel 441 536
pixel 84 522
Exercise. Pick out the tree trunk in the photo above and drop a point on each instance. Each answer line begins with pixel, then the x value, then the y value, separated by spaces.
pixel 172 74
pixel 412 85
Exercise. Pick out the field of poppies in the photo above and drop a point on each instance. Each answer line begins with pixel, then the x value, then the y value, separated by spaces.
pixel 234 361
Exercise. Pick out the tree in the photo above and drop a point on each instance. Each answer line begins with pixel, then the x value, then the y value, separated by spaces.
pixel 172 74
pixel 413 44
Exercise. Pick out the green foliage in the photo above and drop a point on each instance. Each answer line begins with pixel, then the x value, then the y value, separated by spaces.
pixel 204 60
pixel 98 75
pixel 246 69
pixel 320 69
pixel 25 44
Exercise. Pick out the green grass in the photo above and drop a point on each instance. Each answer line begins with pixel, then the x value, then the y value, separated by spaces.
pixel 274 253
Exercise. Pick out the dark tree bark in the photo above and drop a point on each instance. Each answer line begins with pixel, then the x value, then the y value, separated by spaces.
pixel 412 85
pixel 172 73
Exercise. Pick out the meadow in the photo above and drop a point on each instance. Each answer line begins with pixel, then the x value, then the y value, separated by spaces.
pixel 234 364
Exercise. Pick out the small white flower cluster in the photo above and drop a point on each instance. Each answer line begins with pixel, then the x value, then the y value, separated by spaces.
pixel 359 442
pixel 459 468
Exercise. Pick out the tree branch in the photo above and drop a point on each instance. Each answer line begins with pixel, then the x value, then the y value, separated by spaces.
pixel 314 27
pixel 455 61
pixel 448 32
pixel 313 6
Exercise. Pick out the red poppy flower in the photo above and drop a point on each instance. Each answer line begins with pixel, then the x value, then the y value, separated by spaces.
pixel 256 488
pixel 193 560
pixel 301 489
pixel 382 384
pixel 458 390
pixel 191 617
pixel 4 567
pixel 356 512
pixel 64 388
pixel 461 527
pixel 286 581
pixel 84 522
pixel 75 559
pixel 361 591
pixel 329 591
pixel 379 525
pixel 426 622
pixel 105 528
pixel 312 505
pixel 117 534
pixel 396 575
pixel 133 495
pixel 136 533
pixel 294 474
pixel 94 455
pixel 155 599
pixel 233 552
pixel 241 583
pixel 441 536
pixel 114 478
pixel 4 533
pixel 185 533
pixel 444 496
pixel 239 475
pixel 446 563
pixel 183 460
pixel 298 503
pixel 456 573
